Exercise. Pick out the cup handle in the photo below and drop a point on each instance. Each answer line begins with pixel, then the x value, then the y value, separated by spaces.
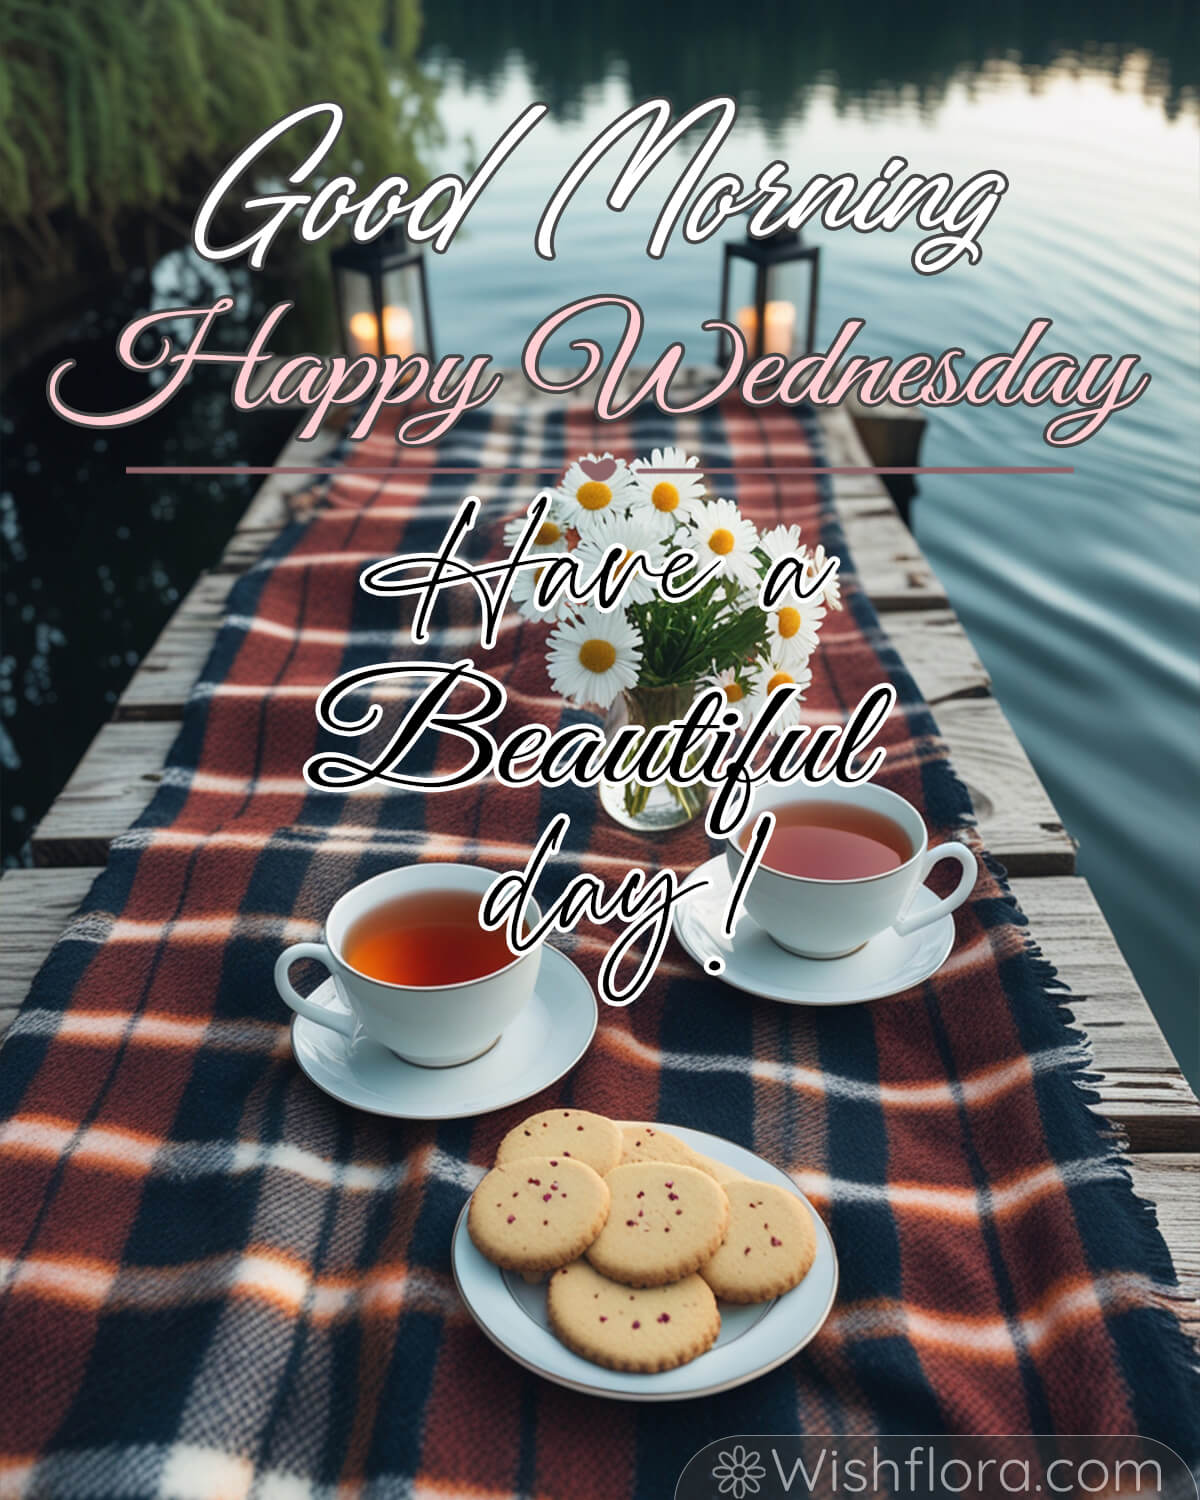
pixel 336 1020
pixel 970 869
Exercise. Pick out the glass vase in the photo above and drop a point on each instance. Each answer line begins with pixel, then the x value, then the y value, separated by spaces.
pixel 663 806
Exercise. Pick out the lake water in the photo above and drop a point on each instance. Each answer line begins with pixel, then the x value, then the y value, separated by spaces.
pixel 1080 592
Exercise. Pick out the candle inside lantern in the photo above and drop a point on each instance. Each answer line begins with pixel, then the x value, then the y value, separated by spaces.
pixel 780 318
pixel 397 332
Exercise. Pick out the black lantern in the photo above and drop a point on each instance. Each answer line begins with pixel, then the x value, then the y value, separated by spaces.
pixel 762 292
pixel 381 296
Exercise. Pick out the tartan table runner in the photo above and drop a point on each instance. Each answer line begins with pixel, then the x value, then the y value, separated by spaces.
pixel 215 1281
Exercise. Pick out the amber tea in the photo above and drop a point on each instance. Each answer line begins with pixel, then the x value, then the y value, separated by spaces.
pixel 425 938
pixel 830 840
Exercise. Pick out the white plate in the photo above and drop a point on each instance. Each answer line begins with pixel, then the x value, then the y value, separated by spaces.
pixel 886 965
pixel 752 1340
pixel 549 1037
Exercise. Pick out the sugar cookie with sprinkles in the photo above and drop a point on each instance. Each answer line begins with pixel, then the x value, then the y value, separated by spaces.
pixel 769 1247
pixel 719 1170
pixel 646 1331
pixel 538 1213
pixel 664 1222
pixel 576 1133
pixel 649 1143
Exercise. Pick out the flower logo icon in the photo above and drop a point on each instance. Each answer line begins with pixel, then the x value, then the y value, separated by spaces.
pixel 737 1472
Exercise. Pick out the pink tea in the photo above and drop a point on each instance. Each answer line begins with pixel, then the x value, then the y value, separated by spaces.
pixel 828 840
pixel 425 938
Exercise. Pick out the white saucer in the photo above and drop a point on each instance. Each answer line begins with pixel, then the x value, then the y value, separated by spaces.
pixel 752 1340
pixel 884 966
pixel 549 1037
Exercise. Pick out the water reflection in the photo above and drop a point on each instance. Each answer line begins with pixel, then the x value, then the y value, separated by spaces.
pixel 875 57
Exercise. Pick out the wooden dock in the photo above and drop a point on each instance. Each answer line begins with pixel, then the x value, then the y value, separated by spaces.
pixel 1139 1082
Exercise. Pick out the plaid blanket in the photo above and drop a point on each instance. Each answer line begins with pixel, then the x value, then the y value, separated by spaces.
pixel 217 1282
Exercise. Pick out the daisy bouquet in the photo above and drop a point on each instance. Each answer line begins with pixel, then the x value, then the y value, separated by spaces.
pixel 643 660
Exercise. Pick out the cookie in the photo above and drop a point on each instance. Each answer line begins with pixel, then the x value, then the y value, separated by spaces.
pixel 769 1247
pixel 665 1221
pixel 565 1132
pixel 649 1143
pixel 719 1171
pixel 649 1330
pixel 538 1213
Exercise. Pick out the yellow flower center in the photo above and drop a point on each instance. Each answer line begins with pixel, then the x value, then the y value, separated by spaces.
pixel 789 622
pixel 593 495
pixel 664 496
pixel 597 656
pixel 721 542
pixel 548 534
pixel 734 692
pixel 780 679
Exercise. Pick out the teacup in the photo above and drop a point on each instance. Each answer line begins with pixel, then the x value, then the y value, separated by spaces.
pixel 434 1025
pixel 818 918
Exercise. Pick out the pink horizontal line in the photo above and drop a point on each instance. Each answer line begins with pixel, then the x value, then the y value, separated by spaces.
pixel 405 469
pixel 888 469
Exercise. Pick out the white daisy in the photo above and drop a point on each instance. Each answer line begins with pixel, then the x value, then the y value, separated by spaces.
pixel 737 683
pixel 794 629
pixel 551 535
pixel 593 485
pixel 778 544
pixel 781 541
pixel 774 675
pixel 831 592
pixel 668 499
pixel 593 658
pixel 523 585
pixel 720 534
pixel 633 533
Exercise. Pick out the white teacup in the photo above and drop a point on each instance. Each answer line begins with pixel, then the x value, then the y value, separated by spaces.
pixel 433 1025
pixel 831 918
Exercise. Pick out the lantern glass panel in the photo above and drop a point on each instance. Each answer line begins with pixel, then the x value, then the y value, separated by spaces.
pixel 785 303
pixel 397 293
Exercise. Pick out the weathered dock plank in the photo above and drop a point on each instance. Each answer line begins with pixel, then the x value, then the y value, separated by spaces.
pixel 1141 1087
pixel 1017 820
pixel 270 511
pixel 110 787
pixel 160 686
pixel 935 649
pixel 892 567
pixel 35 906
pixel 1171 1181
